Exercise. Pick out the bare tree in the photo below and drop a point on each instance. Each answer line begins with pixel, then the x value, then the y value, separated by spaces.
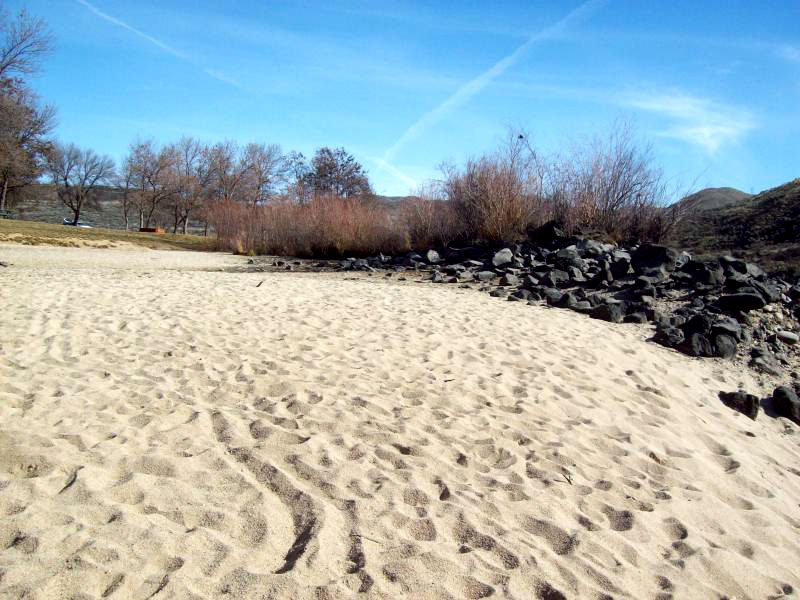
pixel 298 178
pixel 76 174
pixel 267 169
pixel 24 145
pixel 24 123
pixel 336 171
pixel 24 42
pixel 151 173
pixel 193 178
pixel 230 170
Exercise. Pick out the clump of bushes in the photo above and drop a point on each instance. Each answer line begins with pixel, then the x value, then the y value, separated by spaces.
pixel 608 187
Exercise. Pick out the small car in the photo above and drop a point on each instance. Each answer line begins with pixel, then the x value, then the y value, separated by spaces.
pixel 78 224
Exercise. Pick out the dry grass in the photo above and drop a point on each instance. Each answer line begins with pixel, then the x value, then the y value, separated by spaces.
pixel 328 226
pixel 35 234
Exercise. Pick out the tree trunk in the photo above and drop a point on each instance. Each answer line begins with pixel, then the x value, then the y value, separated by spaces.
pixel 5 192
pixel 185 222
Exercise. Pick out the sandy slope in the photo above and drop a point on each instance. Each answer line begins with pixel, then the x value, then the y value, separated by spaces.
pixel 167 432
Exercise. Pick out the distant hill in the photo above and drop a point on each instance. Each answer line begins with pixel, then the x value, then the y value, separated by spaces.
pixel 714 198
pixel 764 228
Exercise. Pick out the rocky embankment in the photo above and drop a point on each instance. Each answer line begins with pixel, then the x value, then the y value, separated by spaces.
pixel 723 307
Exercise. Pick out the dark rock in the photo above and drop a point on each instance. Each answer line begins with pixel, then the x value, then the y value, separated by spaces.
pixel 735 265
pixel 568 300
pixel 582 306
pixel 503 257
pixel 788 337
pixel 547 234
pixel 620 263
pixel 727 327
pixel 521 295
pixel 698 323
pixel 509 279
pixel 767 363
pixel 747 404
pixel 552 295
pixel 635 317
pixel 706 273
pixel 569 257
pixel 769 292
pixel 591 248
pixel 652 259
pixel 555 278
pixel 786 403
pixel 529 281
pixel 437 277
pixel 725 346
pixel 575 275
pixel 498 293
pixel 485 275
pixel 669 335
pixel 697 344
pixel 612 311
pixel 741 302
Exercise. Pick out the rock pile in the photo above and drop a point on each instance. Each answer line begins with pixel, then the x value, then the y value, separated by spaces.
pixel 784 402
pixel 722 307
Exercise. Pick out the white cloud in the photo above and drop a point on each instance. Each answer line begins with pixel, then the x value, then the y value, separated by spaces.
pixel 791 53
pixel 698 121
pixel 473 87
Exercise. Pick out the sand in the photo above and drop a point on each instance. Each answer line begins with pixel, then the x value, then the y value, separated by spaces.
pixel 172 431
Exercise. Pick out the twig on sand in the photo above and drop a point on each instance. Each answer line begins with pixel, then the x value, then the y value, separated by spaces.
pixel 260 282
pixel 366 538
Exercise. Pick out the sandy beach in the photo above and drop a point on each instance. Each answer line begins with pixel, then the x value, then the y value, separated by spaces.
pixel 172 430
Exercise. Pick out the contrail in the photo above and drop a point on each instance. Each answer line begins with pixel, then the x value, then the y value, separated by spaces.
pixel 468 90
pixel 156 42
pixel 124 25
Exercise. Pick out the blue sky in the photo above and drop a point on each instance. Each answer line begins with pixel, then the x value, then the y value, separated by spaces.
pixel 715 86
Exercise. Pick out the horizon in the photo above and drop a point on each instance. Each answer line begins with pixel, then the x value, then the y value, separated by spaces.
pixel 396 88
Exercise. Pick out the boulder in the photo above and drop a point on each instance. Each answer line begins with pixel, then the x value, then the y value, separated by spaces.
pixel 727 326
pixel 509 279
pixel 613 312
pixel 437 277
pixel 547 234
pixel 735 265
pixel 569 257
pixel 552 295
pixel 786 403
pixel 725 346
pixel 705 272
pixel 747 404
pixel 653 259
pixel 502 258
pixel 635 317
pixel 787 337
pixel 620 263
pixel 697 344
pixel 432 257
pixel 485 275
pixel 741 302
pixel 669 335
pixel 555 277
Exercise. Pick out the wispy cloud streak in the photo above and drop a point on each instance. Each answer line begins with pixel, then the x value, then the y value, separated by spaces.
pixel 156 42
pixel 473 87
pixel 695 120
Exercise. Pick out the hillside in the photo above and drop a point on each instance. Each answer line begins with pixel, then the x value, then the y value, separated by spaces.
pixel 714 198
pixel 764 228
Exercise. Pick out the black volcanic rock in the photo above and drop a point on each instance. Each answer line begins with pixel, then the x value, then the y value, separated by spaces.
pixel 747 404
